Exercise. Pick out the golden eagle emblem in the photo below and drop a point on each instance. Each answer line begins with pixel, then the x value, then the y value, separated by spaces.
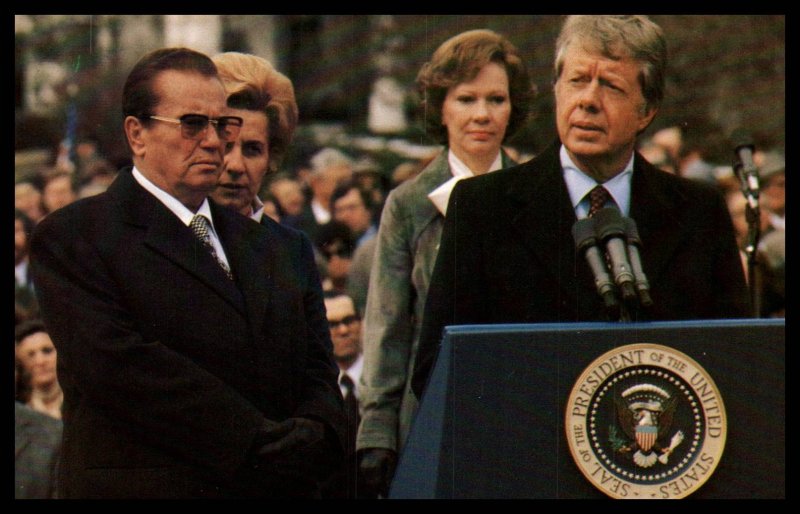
pixel 645 412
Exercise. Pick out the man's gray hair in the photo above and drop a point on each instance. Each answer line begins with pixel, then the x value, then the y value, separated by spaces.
pixel 617 37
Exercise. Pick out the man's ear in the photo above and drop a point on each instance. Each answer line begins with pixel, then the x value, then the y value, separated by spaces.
pixel 647 118
pixel 134 131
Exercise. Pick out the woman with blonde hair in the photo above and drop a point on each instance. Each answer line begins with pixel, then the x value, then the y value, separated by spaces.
pixel 265 99
pixel 302 444
pixel 476 93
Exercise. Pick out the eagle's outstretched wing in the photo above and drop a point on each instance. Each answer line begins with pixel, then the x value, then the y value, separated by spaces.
pixel 665 418
pixel 625 417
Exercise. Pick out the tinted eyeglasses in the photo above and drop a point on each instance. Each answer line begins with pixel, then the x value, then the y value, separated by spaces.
pixel 195 126
pixel 347 320
pixel 339 250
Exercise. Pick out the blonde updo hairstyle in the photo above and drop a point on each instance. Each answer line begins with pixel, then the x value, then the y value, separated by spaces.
pixel 252 83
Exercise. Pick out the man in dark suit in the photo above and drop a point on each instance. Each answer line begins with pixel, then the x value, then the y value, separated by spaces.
pixel 507 254
pixel 194 364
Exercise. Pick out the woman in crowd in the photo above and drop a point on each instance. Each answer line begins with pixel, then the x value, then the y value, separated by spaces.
pixel 36 360
pixel 476 92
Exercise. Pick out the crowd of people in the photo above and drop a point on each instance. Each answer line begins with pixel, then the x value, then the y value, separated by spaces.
pixel 227 327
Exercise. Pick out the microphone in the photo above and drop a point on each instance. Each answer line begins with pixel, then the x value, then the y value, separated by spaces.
pixel 745 167
pixel 583 232
pixel 634 243
pixel 610 230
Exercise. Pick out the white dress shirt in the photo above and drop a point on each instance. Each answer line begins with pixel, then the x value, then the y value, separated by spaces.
pixel 354 372
pixel 579 184
pixel 182 212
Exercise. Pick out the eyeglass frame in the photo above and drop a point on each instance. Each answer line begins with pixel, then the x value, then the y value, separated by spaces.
pixel 347 320
pixel 201 134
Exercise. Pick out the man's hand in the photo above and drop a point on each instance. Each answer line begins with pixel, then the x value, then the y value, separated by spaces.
pixel 279 439
pixel 377 466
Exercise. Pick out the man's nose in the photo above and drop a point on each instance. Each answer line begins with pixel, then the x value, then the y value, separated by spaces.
pixel 590 97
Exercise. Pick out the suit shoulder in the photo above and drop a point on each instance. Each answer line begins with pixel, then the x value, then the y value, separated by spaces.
pixel 85 214
pixel 690 188
pixel 496 180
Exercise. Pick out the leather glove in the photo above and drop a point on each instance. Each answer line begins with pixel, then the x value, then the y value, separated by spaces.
pixel 275 440
pixel 377 466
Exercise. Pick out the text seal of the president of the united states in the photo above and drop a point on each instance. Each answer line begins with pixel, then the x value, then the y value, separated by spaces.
pixel 646 421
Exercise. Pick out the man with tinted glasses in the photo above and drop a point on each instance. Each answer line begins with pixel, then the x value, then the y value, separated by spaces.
pixel 185 366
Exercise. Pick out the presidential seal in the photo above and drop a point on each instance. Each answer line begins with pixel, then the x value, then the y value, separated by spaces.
pixel 646 421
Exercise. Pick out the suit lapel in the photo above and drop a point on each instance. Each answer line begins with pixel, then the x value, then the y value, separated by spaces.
pixel 250 251
pixel 168 236
pixel 653 204
pixel 433 176
pixel 544 220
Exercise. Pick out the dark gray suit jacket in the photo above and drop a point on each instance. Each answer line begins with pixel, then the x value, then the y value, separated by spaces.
pixel 169 368
pixel 37 446
pixel 507 254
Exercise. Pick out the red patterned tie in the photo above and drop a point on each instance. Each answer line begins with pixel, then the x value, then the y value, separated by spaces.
pixel 597 199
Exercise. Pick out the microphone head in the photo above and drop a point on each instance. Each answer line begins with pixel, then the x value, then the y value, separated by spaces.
pixel 741 139
pixel 608 223
pixel 583 233
pixel 631 232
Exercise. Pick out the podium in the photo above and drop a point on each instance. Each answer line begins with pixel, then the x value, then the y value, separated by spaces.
pixel 491 423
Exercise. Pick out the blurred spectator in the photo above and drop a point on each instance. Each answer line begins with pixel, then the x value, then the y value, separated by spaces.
pixel 772 168
pixel 669 139
pixel 405 171
pixel 334 245
pixel 368 175
pixel 657 155
pixel 36 356
pixel 28 199
pixel 345 327
pixel 352 205
pixel 737 206
pixel 270 207
pixel 37 447
pixel 689 147
pixel 23 228
pixel 98 172
pixel 86 157
pixel 772 261
pixel 58 190
pixel 288 194
pixel 24 295
pixel 329 168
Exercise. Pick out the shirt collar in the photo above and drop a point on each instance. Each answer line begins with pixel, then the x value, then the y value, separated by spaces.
pixel 258 209
pixel 461 170
pixel 172 203
pixel 354 371
pixel 579 184
pixel 441 195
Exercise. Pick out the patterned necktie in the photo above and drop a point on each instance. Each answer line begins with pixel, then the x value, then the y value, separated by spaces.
pixel 199 226
pixel 597 199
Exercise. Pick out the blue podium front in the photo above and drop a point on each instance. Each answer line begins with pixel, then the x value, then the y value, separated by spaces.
pixel 495 419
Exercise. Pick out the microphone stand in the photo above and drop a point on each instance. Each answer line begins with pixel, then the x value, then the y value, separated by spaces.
pixel 753 217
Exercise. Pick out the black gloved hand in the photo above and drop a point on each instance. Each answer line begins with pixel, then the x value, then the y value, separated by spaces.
pixel 275 440
pixel 377 466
